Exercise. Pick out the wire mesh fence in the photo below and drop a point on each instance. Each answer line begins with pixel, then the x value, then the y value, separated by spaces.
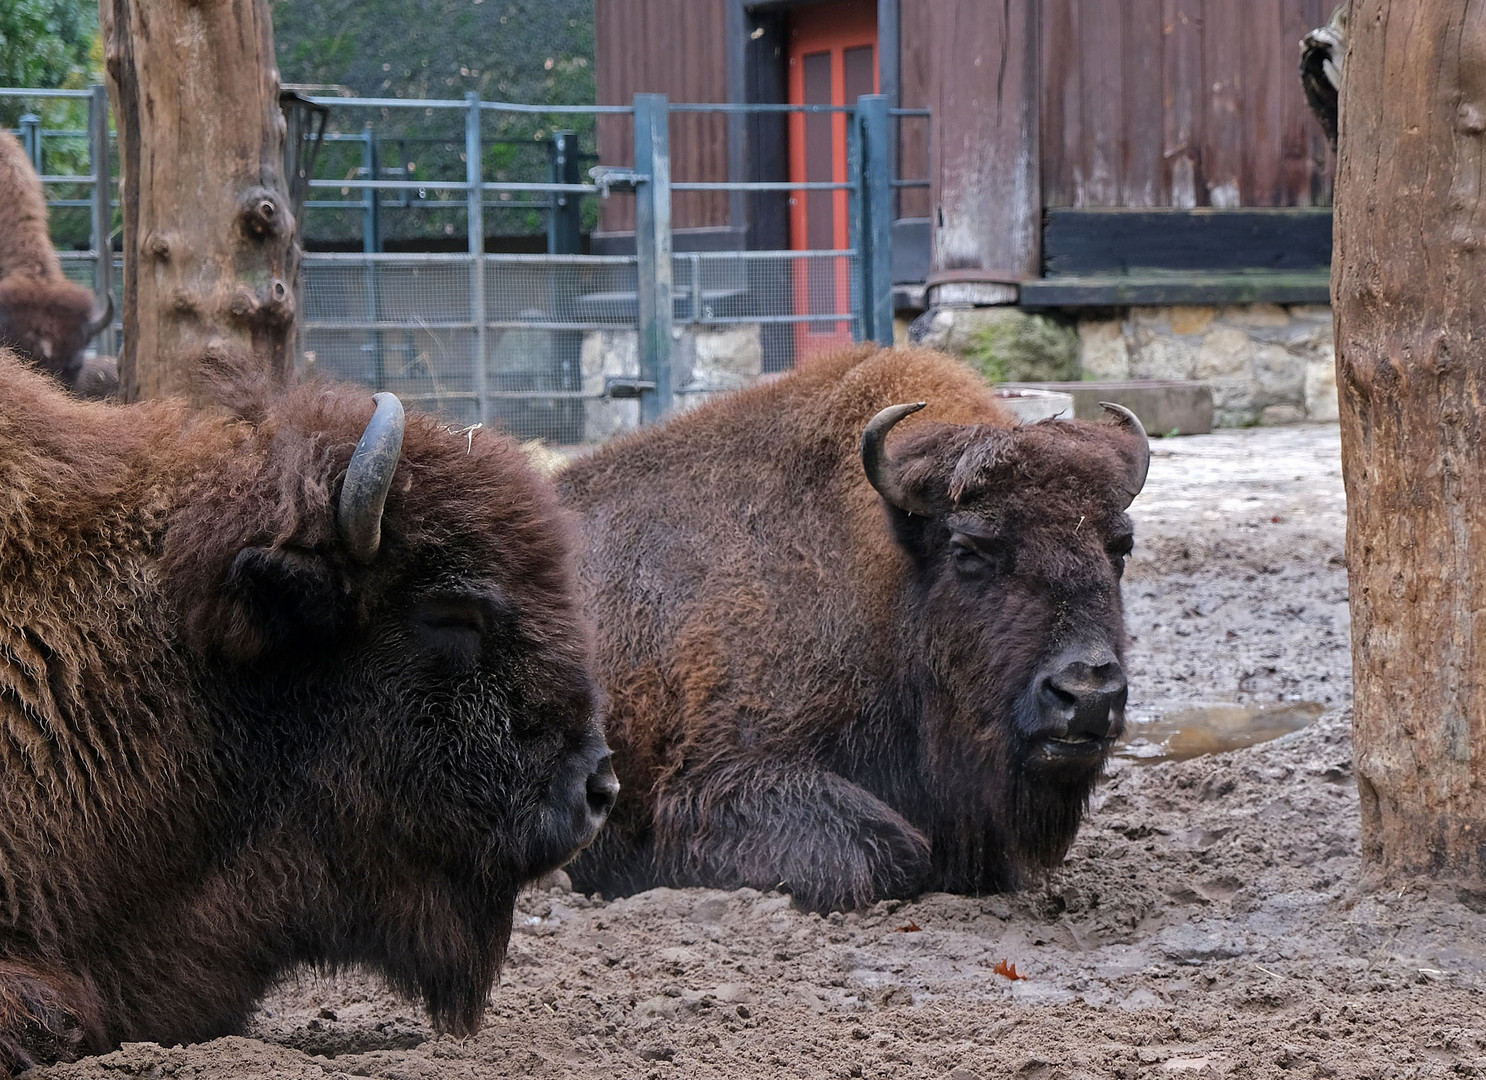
pixel 560 346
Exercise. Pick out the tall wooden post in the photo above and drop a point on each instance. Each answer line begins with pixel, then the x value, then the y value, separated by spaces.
pixel 1409 288
pixel 210 252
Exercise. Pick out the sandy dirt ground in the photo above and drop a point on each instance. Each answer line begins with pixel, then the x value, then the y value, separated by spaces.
pixel 1210 921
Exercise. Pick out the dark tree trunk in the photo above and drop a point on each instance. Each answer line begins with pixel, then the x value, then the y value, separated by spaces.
pixel 1409 287
pixel 210 252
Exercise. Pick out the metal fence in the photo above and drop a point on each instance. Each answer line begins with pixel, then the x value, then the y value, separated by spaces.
pixel 557 345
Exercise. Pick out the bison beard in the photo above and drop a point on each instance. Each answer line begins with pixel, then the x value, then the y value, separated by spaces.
pixel 265 702
pixel 845 692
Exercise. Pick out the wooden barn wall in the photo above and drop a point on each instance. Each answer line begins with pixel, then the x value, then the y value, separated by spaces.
pixel 1179 103
pixel 975 65
pixel 672 47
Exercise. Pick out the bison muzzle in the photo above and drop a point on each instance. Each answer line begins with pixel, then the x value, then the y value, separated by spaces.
pixel 856 647
pixel 302 682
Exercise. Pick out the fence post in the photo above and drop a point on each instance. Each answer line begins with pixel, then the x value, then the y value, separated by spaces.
pixel 371 244
pixel 475 201
pixel 103 216
pixel 564 221
pixel 876 229
pixel 653 252
pixel 30 125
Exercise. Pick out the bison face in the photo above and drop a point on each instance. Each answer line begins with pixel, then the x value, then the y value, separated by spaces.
pixel 402 680
pixel 50 322
pixel 1013 624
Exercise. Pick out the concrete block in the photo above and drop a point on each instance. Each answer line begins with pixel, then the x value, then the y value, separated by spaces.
pixel 1165 407
pixel 1030 404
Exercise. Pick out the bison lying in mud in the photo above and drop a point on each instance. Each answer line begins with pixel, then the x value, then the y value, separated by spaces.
pixel 43 316
pixel 267 702
pixel 848 672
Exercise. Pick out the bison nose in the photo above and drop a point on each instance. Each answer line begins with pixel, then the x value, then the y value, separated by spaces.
pixel 1084 703
pixel 603 790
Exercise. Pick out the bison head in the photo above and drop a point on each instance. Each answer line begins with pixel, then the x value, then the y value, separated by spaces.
pixel 1013 628
pixel 390 638
pixel 50 322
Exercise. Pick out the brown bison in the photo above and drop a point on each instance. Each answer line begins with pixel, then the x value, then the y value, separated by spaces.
pixel 43 316
pixel 847 672
pixel 271 696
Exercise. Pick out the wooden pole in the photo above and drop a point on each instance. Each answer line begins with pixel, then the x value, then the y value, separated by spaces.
pixel 1409 289
pixel 210 252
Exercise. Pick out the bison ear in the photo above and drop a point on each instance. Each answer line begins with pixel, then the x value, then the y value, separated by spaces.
pixel 278 598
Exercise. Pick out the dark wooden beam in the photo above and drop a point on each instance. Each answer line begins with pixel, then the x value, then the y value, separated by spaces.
pixel 1118 241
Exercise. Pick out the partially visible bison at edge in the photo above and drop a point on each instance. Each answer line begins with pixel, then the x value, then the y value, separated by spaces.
pixel 847 670
pixel 43 316
pixel 266 701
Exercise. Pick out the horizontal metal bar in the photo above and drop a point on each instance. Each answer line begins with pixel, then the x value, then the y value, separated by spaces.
pixel 462 258
pixel 388 325
pixel 730 320
pixel 723 256
pixel 757 107
pixel 501 185
pixel 912 183
pixel 395 326
pixel 557 395
pixel 22 91
pixel 59 178
pixel 763 185
pixel 416 204
pixel 390 103
pixel 556 110
pixel 393 185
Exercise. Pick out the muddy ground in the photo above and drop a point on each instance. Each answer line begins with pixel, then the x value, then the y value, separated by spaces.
pixel 1210 920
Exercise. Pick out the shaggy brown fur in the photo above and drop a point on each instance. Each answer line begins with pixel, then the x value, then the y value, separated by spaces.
pixel 25 242
pixel 805 689
pixel 227 748
pixel 43 316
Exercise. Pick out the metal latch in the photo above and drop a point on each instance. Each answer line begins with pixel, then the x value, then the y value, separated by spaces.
pixel 611 178
pixel 620 387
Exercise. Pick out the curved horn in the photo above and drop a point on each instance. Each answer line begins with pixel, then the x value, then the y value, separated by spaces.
pixel 369 476
pixel 880 472
pixel 98 322
pixel 1130 422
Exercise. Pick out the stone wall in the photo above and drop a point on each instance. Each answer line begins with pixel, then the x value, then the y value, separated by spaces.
pixel 705 361
pixel 1266 364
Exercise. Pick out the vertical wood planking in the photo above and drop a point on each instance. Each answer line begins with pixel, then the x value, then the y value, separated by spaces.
pixel 1062 104
pixel 672 47
pixel 1142 181
pixel 1266 77
pixel 1101 49
pixel 1184 101
pixel 987 111
pixel 915 79
pixel 1223 28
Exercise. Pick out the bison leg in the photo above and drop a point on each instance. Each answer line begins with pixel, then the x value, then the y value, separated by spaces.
pixel 829 842
pixel 44 1017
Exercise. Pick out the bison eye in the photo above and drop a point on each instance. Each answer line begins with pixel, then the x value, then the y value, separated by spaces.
pixel 1119 548
pixel 452 628
pixel 975 555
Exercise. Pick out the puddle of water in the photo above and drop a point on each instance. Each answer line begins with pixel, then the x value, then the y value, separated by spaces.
pixel 1213 729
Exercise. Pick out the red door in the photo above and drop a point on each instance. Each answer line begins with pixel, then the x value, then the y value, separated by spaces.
pixel 832 61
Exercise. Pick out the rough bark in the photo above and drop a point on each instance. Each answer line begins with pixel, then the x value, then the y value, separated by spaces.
pixel 1409 288
pixel 210 251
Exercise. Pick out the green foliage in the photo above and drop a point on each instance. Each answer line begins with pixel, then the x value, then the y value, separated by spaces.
pixel 1018 347
pixel 46 43
pixel 527 51
pixel 54 44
